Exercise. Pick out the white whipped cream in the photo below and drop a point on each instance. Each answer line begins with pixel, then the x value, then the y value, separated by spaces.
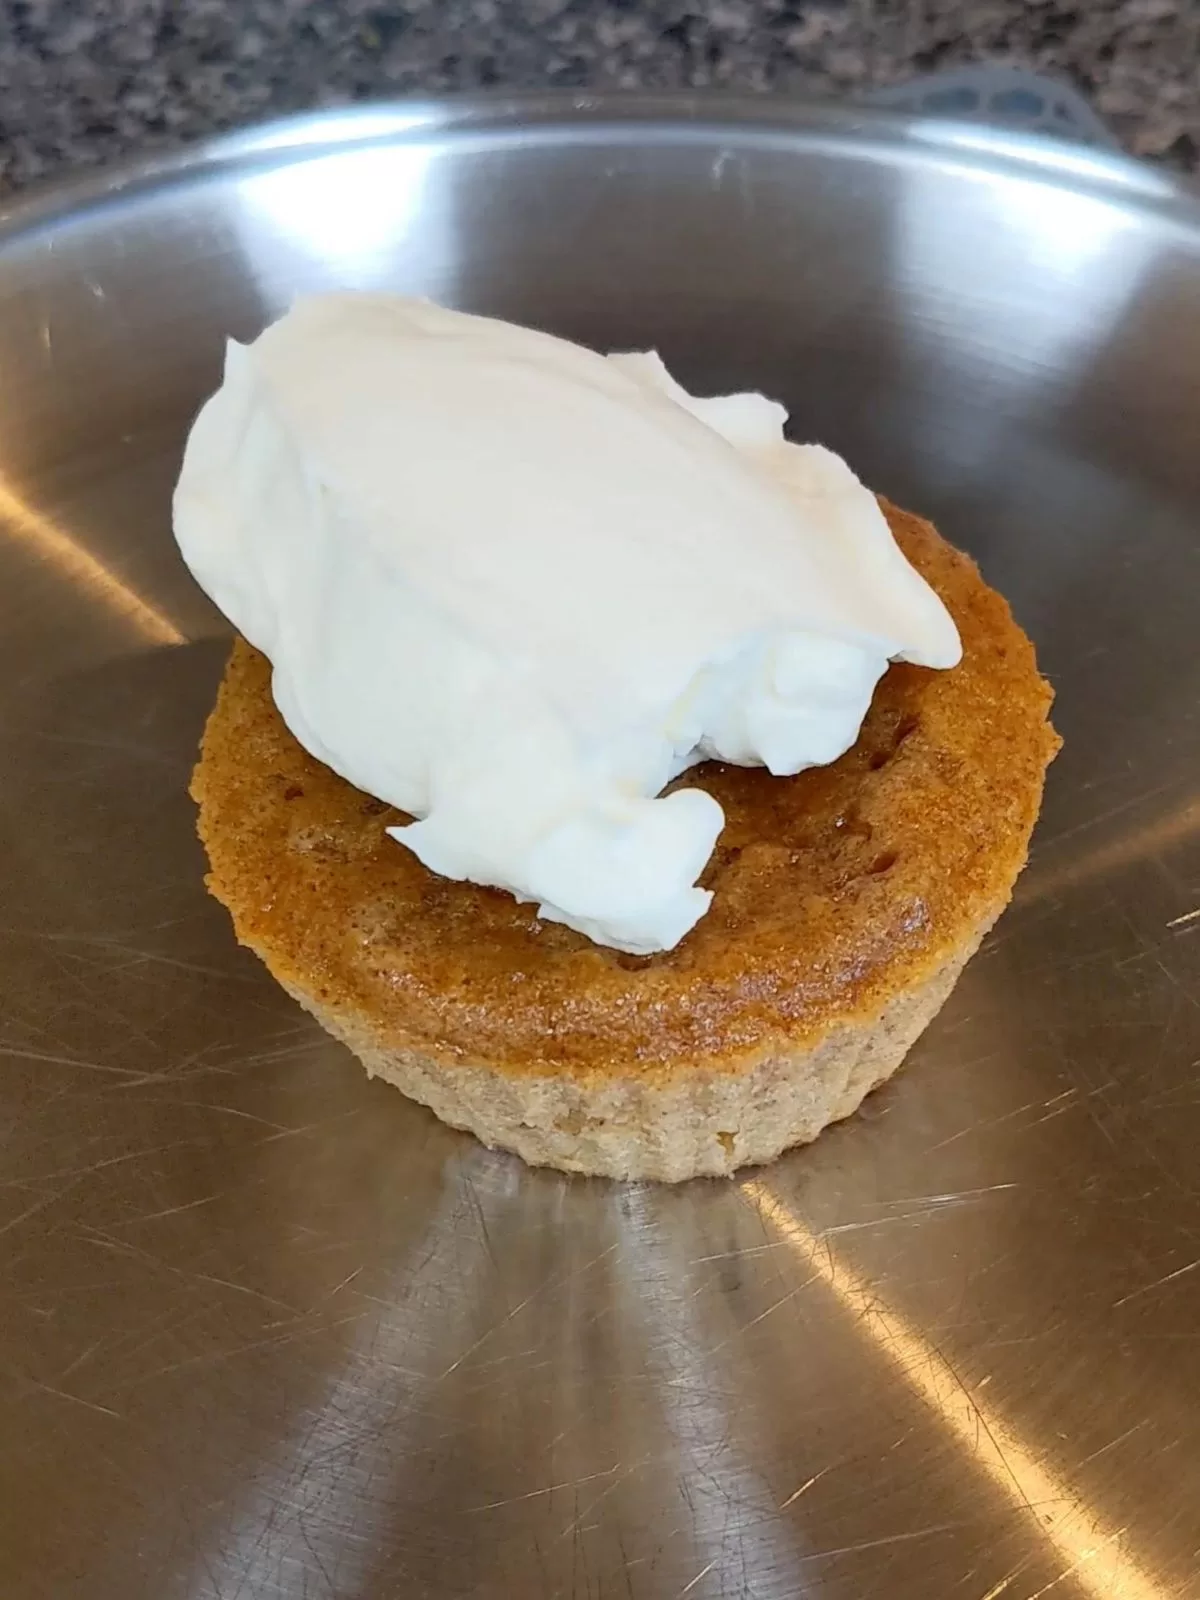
pixel 514 587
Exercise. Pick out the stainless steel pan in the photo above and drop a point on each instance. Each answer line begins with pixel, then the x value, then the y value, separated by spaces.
pixel 268 1330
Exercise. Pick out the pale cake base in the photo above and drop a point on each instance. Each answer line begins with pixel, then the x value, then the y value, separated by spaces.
pixel 625 1126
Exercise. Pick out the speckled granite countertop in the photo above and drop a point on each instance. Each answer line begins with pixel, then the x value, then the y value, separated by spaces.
pixel 87 82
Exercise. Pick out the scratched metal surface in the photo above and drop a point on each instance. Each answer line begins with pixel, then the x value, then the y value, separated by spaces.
pixel 266 1329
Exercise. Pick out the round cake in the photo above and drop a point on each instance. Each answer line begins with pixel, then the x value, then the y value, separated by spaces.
pixel 846 902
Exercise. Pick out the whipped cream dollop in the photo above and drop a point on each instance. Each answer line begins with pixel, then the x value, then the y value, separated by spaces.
pixel 514 587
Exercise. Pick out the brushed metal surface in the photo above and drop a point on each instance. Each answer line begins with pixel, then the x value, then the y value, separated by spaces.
pixel 268 1330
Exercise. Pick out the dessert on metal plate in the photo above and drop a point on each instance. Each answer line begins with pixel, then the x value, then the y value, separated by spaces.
pixel 721 768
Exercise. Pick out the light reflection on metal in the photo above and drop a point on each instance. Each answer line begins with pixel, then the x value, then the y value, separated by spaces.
pixel 49 542
pixel 1094 1552
pixel 343 220
pixel 1172 828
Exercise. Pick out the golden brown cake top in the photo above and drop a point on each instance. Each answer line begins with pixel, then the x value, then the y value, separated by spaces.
pixel 832 889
